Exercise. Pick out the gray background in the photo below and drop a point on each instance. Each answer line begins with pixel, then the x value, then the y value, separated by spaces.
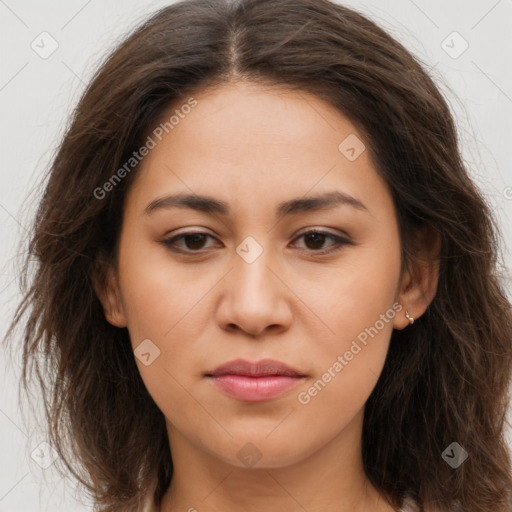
pixel 37 95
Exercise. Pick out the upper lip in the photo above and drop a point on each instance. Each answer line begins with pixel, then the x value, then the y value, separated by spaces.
pixel 264 367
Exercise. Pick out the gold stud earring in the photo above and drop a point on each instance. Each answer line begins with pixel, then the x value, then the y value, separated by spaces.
pixel 409 317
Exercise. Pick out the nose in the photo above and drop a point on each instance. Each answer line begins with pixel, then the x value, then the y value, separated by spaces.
pixel 255 297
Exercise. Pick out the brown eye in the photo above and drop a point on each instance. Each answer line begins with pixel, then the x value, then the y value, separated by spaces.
pixel 314 240
pixel 194 242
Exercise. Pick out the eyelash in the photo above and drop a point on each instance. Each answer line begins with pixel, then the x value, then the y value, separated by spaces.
pixel 337 246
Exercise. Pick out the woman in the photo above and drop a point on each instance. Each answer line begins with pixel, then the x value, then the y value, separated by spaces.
pixel 265 280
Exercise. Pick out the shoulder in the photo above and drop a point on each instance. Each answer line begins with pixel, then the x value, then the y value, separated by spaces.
pixel 148 505
pixel 409 505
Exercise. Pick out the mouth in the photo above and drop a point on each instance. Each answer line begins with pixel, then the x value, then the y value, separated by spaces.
pixel 255 382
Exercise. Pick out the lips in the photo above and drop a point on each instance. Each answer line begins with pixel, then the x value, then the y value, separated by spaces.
pixel 262 368
pixel 254 382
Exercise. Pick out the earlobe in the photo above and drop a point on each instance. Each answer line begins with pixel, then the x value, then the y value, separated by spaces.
pixel 414 302
pixel 107 290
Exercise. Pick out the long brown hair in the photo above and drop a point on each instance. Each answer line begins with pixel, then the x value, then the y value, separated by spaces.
pixel 446 378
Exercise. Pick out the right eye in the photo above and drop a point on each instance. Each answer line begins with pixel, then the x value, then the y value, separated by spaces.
pixel 194 241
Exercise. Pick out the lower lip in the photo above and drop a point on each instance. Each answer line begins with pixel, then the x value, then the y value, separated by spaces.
pixel 255 389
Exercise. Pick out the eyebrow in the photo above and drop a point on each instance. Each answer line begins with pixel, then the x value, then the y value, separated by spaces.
pixel 211 205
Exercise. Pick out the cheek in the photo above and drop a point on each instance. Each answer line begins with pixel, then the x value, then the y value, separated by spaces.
pixel 158 296
pixel 166 310
pixel 358 306
pixel 355 292
pixel 347 365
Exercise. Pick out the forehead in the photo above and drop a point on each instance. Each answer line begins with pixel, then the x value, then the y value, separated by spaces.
pixel 240 121
pixel 255 143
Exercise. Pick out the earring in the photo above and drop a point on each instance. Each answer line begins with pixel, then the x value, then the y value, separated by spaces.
pixel 409 317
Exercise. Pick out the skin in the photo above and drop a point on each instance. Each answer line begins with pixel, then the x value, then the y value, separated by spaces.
pixel 253 147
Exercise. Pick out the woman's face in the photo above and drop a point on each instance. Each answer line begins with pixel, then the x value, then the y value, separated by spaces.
pixel 257 169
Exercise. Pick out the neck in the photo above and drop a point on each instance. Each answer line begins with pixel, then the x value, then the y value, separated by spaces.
pixel 331 479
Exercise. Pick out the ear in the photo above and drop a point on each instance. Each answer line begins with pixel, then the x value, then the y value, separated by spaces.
pixel 106 286
pixel 418 284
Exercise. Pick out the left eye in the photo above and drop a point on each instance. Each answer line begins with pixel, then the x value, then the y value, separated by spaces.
pixel 194 241
pixel 319 237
